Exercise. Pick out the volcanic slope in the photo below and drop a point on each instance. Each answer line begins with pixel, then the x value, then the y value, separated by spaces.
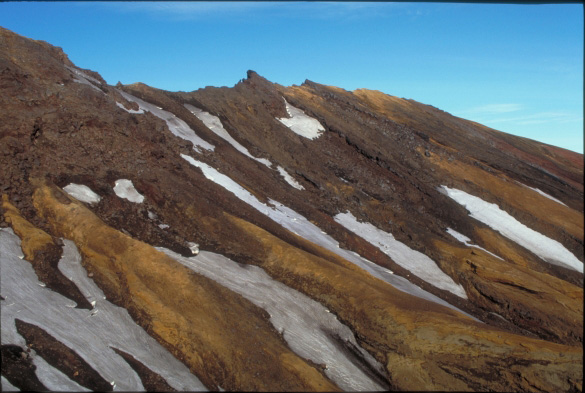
pixel 263 237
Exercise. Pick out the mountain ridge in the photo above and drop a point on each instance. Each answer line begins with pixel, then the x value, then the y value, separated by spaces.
pixel 343 214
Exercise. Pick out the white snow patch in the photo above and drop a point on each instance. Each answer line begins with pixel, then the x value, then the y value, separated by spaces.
pixel 498 315
pixel 306 325
pixel 462 238
pixel 177 126
pixel 125 189
pixel 85 79
pixel 300 123
pixel 7 386
pixel 83 75
pixel 298 224
pixel 53 378
pixel 82 193
pixel 416 262
pixel 289 179
pixel 86 82
pixel 139 111
pixel 90 336
pixel 465 240
pixel 544 194
pixel 490 214
pixel 163 226
pixel 214 124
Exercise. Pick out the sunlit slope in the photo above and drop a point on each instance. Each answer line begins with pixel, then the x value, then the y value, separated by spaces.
pixel 498 148
pixel 190 314
pixel 263 237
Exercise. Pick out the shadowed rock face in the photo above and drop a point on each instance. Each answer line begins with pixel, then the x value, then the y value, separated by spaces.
pixel 267 196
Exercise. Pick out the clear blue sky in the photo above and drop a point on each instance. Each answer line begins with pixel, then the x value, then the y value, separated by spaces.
pixel 515 68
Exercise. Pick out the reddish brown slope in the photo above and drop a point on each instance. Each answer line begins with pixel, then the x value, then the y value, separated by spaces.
pixel 380 158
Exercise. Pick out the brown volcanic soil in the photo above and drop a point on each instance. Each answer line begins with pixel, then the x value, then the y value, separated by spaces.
pixel 381 158
pixel 526 159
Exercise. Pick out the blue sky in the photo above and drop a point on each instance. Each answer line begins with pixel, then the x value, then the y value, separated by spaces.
pixel 516 68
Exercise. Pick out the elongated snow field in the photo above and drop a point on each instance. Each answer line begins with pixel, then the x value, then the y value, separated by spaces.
pixel 214 124
pixel 83 74
pixel 177 126
pixel 86 82
pixel 289 179
pixel 544 194
pixel 416 262
pixel 309 329
pixel 138 112
pixel 490 214
pixel 83 78
pixel 467 241
pixel 90 333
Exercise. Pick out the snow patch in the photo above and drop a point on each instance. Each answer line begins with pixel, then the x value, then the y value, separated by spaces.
pixel 465 240
pixel 91 336
pixel 85 79
pixel 82 193
pixel 490 214
pixel 306 325
pixel 125 189
pixel 214 124
pixel 7 386
pixel 177 126
pixel 139 111
pixel 544 194
pixel 289 179
pixel 83 75
pixel 300 123
pixel 416 262
pixel 298 224
pixel 86 82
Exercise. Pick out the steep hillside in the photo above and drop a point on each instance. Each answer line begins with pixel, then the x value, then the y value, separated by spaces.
pixel 264 237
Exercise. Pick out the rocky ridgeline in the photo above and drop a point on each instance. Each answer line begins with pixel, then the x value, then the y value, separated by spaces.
pixel 276 238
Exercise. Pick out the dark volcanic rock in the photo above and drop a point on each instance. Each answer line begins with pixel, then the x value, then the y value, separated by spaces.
pixel 18 369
